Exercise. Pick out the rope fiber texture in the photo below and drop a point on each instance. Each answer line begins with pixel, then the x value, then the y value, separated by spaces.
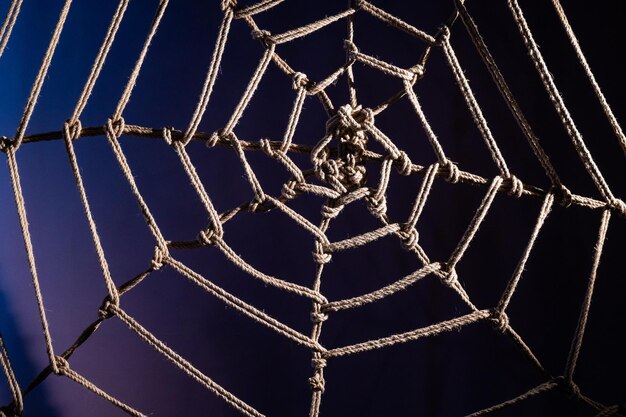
pixel 337 174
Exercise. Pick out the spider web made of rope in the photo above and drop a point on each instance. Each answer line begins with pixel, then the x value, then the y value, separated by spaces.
pixel 337 175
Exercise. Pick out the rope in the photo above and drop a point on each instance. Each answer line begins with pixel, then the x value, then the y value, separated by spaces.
pixel 339 164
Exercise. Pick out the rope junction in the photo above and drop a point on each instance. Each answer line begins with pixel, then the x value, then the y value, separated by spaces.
pixel 337 174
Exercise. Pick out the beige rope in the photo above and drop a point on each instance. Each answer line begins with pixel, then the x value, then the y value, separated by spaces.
pixel 339 162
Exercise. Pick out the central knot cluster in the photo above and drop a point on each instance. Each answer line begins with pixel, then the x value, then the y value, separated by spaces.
pixel 343 167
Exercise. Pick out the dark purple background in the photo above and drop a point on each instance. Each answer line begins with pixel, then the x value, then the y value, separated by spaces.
pixel 448 375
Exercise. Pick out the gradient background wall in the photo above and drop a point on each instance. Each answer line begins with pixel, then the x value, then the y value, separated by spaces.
pixel 447 375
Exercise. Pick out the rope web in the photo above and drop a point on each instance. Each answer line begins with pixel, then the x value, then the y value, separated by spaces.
pixel 337 174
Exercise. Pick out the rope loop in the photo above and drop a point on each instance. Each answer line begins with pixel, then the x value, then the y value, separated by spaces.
pixel 452 170
pixel 619 206
pixel 72 130
pixel 207 237
pixel 450 278
pixel 318 317
pixel 289 190
pixel 266 147
pixel 405 165
pixel 265 36
pixel 299 81
pixel 62 366
pixel 516 186
pixel 105 311
pixel 115 128
pixel 157 260
pixel 409 236
pixel 500 320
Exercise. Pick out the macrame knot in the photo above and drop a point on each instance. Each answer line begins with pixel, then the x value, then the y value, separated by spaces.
pixel 289 190
pixel 350 48
pixel 299 81
pixel 377 205
pixel 318 317
pixel 405 165
pixel 409 237
pixel 207 237
pixel 619 206
pixel 500 320
pixel 564 195
pixel 215 137
pixel 115 128
pixel 5 144
pixel 450 278
pixel 418 72
pixel 516 187
pixel 258 204
pixel 264 36
pixel 157 260
pixel 106 311
pixel 266 147
pixel 569 386
pixel 73 129
pixel 62 366
pixel 167 135
pixel 318 363
pixel 228 5
pixel 330 212
pixel 443 35
pixel 317 381
pixel 453 171
pixel 321 257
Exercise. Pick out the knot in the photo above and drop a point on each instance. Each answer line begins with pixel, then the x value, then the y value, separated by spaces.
pixel 619 206
pixel 258 204
pixel 350 48
pixel 300 80
pixel 266 147
pixel 453 171
pixel 73 129
pixel 500 320
pixel 264 36
pixel 318 317
pixel 228 5
pixel 318 363
pixel 443 34
pixel 5 144
pixel 208 237
pixel 409 237
pixel 115 128
pixel 289 190
pixel 215 137
pixel 157 260
pixel 563 194
pixel 418 72
pixel 327 169
pixel 62 366
pixel 167 135
pixel 321 257
pixel 569 386
pixel 405 164
pixel 517 186
pixel 330 212
pixel 106 309
pixel 450 278
pixel 317 382
pixel 377 205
